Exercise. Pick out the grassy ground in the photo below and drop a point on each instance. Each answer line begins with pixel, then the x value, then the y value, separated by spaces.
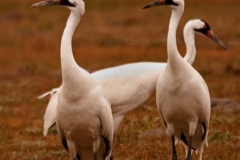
pixel 113 33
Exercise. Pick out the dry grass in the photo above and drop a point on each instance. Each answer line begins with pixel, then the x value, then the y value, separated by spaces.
pixel 112 32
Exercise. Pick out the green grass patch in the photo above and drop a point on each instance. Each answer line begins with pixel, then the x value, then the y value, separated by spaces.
pixel 220 136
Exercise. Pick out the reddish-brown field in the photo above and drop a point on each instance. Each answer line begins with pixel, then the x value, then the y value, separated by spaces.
pixel 111 33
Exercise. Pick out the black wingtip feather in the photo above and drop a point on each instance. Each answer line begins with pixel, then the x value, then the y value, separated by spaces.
pixel 106 141
pixel 65 145
pixel 183 138
pixel 205 131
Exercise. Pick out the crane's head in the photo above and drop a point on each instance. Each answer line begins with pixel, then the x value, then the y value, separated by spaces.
pixel 74 5
pixel 174 4
pixel 202 27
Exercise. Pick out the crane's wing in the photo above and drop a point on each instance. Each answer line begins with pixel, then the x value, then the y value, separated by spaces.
pixel 52 92
pixel 50 114
pixel 62 138
pixel 129 69
pixel 107 127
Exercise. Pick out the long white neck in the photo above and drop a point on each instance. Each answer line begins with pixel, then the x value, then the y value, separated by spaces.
pixel 189 38
pixel 173 54
pixel 68 62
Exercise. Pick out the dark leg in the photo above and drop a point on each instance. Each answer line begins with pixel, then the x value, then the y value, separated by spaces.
pixel 174 153
pixel 189 156
pixel 111 158
pixel 78 157
pixel 95 156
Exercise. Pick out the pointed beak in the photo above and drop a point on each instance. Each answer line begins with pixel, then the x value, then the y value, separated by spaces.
pixel 46 3
pixel 154 4
pixel 211 35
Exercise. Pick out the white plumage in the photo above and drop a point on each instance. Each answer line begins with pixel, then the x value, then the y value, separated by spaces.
pixel 128 85
pixel 183 99
pixel 83 113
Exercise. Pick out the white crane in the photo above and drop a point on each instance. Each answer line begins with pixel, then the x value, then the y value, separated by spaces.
pixel 127 86
pixel 83 114
pixel 183 99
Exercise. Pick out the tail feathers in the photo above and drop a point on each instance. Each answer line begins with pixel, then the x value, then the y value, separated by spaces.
pixel 199 139
pixel 52 92
pixel 64 143
pixel 205 134
pixel 183 138
pixel 205 131
pixel 206 141
pixel 47 126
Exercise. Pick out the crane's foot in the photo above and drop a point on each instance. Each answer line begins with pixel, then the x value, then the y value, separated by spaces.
pixel 174 152
pixel 189 156
pixel 78 157
pixel 95 156
pixel 174 158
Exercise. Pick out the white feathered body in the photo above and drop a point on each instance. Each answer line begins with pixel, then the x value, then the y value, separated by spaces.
pixel 51 111
pixel 84 118
pixel 183 101
pixel 83 113
pixel 128 86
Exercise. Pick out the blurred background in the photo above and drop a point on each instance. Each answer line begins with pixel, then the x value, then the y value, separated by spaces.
pixel 111 32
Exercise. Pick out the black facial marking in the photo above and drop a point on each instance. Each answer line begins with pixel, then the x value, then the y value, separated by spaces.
pixel 66 3
pixel 205 29
pixel 170 2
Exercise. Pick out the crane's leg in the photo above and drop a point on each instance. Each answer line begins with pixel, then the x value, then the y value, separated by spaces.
pixel 174 153
pixel 72 149
pixel 111 157
pixel 95 155
pixel 189 156
pixel 78 157
pixel 96 144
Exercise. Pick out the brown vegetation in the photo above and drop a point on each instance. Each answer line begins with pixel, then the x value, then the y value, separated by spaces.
pixel 111 33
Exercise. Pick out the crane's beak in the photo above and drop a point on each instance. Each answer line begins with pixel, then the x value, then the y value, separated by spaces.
pixel 211 35
pixel 53 2
pixel 160 2
pixel 46 3
pixel 154 4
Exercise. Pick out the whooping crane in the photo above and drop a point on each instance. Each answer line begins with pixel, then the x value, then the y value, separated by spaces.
pixel 83 113
pixel 182 96
pixel 128 86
